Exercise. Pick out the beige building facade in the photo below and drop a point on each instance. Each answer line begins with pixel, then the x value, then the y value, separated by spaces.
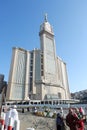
pixel 38 74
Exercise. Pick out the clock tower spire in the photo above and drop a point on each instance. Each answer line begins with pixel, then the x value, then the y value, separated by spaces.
pixel 45 19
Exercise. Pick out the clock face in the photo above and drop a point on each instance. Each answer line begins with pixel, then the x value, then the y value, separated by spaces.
pixel 48 27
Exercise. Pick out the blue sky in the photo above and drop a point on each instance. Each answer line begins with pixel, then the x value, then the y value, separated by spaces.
pixel 19 27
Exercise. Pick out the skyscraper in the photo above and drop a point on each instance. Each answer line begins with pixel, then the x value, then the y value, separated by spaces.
pixel 38 74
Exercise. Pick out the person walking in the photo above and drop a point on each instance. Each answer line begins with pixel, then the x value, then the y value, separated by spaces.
pixel 59 121
pixel 13 114
pixel 80 122
pixel 7 117
pixel 71 119
pixel 60 124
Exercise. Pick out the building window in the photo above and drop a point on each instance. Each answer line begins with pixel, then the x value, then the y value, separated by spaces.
pixel 31 84
pixel 31 61
pixel 59 95
pixel 31 73
pixel 31 68
pixel 41 60
pixel 31 54
pixel 42 67
pixel 42 73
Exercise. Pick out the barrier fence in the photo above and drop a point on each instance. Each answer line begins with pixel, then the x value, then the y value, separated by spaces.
pixel 11 123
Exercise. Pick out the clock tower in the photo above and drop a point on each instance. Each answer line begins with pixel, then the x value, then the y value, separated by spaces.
pixel 47 44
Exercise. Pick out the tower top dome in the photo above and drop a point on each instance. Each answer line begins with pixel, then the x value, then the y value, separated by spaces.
pixel 45 26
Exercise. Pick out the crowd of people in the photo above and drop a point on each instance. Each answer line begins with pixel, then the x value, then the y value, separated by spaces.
pixel 74 119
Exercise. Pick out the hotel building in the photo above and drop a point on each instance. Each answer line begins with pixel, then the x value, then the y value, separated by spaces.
pixel 38 74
